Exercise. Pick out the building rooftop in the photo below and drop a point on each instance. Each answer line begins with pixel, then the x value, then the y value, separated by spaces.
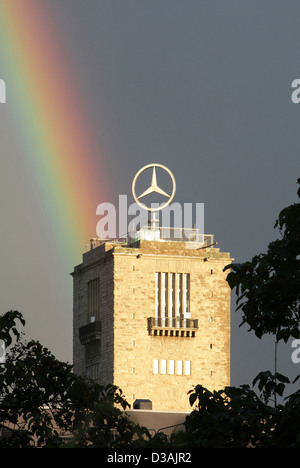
pixel 175 242
pixel 192 238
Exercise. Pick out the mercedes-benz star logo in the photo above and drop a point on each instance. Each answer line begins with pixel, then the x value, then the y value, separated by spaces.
pixel 154 187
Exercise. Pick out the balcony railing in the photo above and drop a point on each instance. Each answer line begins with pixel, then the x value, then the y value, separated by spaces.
pixel 90 332
pixel 172 326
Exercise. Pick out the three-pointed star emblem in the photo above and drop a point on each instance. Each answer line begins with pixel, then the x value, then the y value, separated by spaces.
pixel 154 187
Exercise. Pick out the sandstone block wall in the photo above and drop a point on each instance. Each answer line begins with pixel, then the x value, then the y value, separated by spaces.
pixel 128 351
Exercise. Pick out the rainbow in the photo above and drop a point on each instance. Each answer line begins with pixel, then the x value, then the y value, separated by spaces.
pixel 65 159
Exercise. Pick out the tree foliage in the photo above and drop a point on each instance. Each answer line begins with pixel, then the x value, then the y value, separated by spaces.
pixel 41 399
pixel 239 418
pixel 8 326
pixel 267 287
pixel 268 295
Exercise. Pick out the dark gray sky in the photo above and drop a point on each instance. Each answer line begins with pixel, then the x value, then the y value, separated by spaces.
pixel 203 87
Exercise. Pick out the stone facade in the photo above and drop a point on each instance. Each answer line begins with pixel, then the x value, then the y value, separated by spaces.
pixel 127 344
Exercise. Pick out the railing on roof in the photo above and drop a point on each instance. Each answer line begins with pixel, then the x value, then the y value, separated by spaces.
pixel 172 234
pixel 191 236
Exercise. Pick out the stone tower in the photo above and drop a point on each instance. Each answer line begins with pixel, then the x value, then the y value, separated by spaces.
pixel 153 318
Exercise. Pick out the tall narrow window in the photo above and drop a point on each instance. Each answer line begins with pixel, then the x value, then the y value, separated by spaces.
pixel 171 298
pixel 172 367
pixel 179 367
pixel 166 297
pixel 186 295
pixel 155 366
pixel 157 295
pixel 163 366
pixel 93 371
pixel 164 305
pixel 178 287
pixel 93 299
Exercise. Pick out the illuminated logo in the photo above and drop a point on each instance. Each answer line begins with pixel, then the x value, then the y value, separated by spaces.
pixel 115 221
pixel 154 188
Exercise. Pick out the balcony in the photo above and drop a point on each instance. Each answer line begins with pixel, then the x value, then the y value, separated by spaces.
pixel 89 333
pixel 185 327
